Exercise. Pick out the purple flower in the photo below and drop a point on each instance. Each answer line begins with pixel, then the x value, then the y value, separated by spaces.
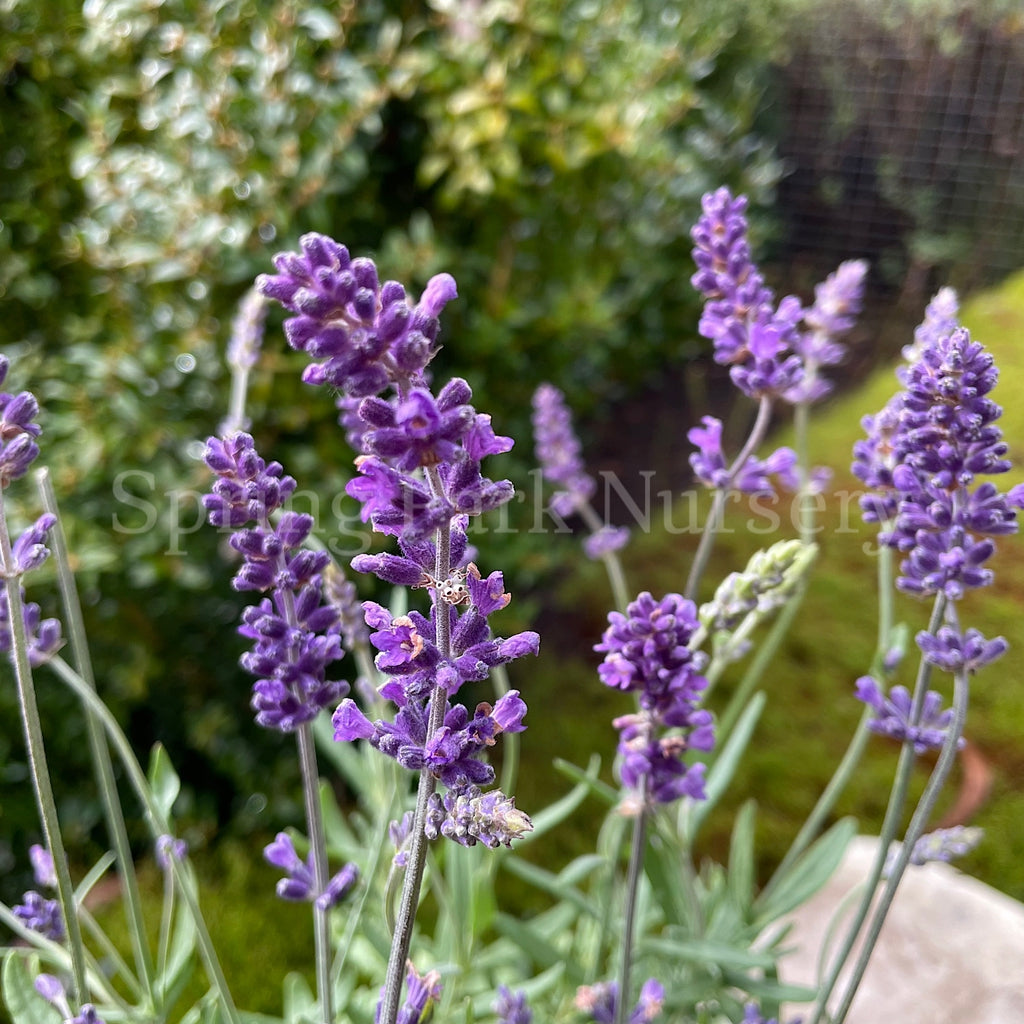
pixel 753 477
pixel 295 636
pixel 42 866
pixel 43 635
pixel 360 334
pixel 53 992
pixel 512 1008
pixel 600 1001
pixel 748 333
pixel 752 1015
pixel 421 995
pixel 606 540
pixel 299 882
pixel 837 302
pixel 646 651
pixel 923 457
pixel 18 432
pixel 41 915
pixel 558 451
pixel 169 849
pixel 943 845
pixel 400 833
pixel 893 716
pixel 950 651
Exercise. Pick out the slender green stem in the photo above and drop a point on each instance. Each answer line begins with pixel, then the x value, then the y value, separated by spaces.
pixel 611 560
pixel 318 847
pixel 713 522
pixel 893 814
pixel 166 920
pixel 918 823
pixel 91 925
pixel 36 752
pixel 636 860
pixel 855 748
pixel 764 657
pixel 75 628
pixel 159 826
pixel 402 937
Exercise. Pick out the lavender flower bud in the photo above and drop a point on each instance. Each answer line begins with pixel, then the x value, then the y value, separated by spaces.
pixel 468 817
pixel 893 716
pixel 512 1008
pixel 421 995
pixel 247 331
pixel 53 992
pixel 41 915
pixel 950 651
pixel 605 541
pixel 42 866
pixel 769 579
pixel 18 432
pixel 167 849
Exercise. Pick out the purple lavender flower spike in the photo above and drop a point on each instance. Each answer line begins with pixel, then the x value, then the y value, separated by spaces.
pixel 295 635
pixel 753 477
pixel 601 1001
pixel 924 454
pixel 422 994
pixel 558 451
pixel 43 635
pixel 646 651
pixel 299 882
pixel 41 915
pixel 837 301
pixel 893 716
pixel 512 1008
pixel 748 333
pixel 360 334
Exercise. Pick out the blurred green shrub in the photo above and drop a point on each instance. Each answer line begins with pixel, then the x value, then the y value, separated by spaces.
pixel 550 154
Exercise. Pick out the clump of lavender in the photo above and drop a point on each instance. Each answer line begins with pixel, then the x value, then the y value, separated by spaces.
pixel 646 651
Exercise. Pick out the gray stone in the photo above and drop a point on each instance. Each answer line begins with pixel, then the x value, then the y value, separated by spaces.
pixel 951 950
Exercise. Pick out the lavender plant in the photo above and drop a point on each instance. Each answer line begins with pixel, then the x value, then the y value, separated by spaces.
pixel 410 735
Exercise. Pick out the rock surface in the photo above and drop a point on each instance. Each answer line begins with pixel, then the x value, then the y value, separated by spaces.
pixel 951 950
